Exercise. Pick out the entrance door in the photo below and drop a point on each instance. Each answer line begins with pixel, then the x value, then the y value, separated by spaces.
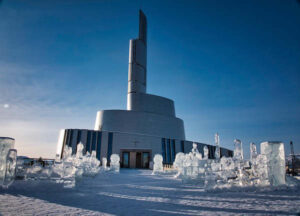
pixel 138 160
pixel 146 158
pixel 125 161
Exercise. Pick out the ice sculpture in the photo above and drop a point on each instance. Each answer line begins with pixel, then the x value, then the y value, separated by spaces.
pixel 259 170
pixel 205 153
pixel 253 151
pixel 158 164
pixel 8 160
pixel 262 170
pixel 274 152
pixel 11 163
pixel 218 150
pixel 178 163
pixel 115 163
pixel 79 152
pixel 104 163
pixel 190 166
pixel 68 169
pixel 195 150
pixel 238 150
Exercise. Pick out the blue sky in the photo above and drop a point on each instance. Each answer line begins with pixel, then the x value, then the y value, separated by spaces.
pixel 232 67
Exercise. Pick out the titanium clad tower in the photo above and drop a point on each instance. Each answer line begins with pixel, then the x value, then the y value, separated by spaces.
pixel 146 114
pixel 137 68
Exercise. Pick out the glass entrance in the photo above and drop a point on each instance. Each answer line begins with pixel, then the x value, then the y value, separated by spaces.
pixel 138 160
pixel 126 159
pixel 135 158
pixel 146 157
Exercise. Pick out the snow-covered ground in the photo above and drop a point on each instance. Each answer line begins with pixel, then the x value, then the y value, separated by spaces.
pixel 137 192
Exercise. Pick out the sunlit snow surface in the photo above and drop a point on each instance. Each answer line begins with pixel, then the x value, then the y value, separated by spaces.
pixel 138 192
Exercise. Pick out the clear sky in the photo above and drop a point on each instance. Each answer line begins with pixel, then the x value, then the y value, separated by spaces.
pixel 232 67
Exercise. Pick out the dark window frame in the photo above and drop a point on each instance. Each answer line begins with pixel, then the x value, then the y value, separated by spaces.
pixel 109 147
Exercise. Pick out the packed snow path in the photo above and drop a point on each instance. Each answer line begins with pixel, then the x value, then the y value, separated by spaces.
pixel 137 192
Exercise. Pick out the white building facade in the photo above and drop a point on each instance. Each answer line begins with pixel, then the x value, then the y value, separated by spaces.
pixel 149 126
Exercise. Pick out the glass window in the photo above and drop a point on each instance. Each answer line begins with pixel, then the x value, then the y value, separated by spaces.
pixel 88 142
pixel 99 145
pixel 109 146
pixel 70 138
pixel 146 159
pixel 168 151
pixel 126 159
pixel 67 137
pixel 78 137
pixel 182 146
pixel 173 150
pixel 94 141
pixel 163 149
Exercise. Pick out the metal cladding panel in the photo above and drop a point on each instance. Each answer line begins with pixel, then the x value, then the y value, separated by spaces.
pixel 137 73
pixel 134 86
pixel 60 143
pixel 140 57
pixel 137 67
pixel 137 53
pixel 143 27
pixel 150 103
pixel 140 123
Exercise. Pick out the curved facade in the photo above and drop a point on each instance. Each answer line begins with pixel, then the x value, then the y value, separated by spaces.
pixel 151 103
pixel 145 123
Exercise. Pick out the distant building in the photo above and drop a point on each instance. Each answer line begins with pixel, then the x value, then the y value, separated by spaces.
pixel 149 126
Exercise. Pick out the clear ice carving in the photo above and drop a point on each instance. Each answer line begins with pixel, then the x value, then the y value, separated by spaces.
pixel 178 163
pixel 158 164
pixel 253 151
pixel 262 170
pixel 238 150
pixel 191 165
pixel 68 169
pixel 115 163
pixel 218 150
pixel 259 170
pixel 274 152
pixel 11 164
pixel 8 161
pixel 195 150
pixel 104 163
pixel 205 153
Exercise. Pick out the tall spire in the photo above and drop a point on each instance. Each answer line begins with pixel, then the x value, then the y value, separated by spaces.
pixel 137 69
pixel 143 28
